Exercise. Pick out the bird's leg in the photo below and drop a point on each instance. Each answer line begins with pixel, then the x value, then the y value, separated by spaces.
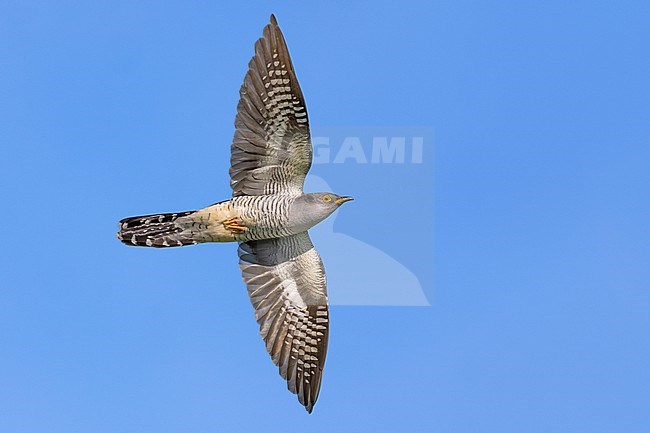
pixel 235 225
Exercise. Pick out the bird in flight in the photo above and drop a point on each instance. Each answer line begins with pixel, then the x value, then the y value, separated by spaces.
pixel 269 215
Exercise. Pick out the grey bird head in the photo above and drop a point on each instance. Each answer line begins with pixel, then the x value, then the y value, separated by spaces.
pixel 310 209
pixel 326 202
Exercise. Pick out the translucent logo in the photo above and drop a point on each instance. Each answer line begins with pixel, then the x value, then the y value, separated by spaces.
pixel 378 249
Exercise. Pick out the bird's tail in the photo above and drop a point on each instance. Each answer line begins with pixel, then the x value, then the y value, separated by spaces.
pixel 159 231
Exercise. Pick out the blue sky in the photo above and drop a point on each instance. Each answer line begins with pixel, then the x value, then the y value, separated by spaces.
pixel 528 232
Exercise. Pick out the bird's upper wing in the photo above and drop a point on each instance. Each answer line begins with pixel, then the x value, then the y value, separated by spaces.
pixel 271 152
pixel 286 283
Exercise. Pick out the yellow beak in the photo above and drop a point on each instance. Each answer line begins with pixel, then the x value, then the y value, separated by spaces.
pixel 343 200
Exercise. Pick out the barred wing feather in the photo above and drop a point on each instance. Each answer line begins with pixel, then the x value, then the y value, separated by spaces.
pixel 271 151
pixel 286 283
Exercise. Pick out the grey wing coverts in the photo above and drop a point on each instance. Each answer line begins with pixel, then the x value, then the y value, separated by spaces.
pixel 271 154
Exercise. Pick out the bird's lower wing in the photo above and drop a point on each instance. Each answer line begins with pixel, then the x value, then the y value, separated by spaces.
pixel 286 283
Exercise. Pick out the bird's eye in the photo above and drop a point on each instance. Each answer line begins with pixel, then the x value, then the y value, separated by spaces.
pixel 327 198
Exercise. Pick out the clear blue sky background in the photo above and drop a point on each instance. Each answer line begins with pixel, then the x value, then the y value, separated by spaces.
pixel 540 313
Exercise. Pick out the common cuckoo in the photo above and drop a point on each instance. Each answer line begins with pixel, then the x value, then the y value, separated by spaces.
pixel 269 215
